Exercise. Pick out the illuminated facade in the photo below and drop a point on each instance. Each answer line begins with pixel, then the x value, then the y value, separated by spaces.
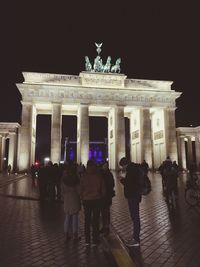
pixel 9 136
pixel 149 105
pixel 188 140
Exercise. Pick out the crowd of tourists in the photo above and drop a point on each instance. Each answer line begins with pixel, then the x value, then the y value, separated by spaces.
pixel 92 187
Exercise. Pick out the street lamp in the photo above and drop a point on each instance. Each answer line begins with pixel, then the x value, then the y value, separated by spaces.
pixel 46 160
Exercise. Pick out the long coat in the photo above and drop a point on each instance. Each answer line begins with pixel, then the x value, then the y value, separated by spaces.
pixel 71 197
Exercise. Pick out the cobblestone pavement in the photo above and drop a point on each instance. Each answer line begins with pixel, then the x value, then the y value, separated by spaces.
pixel 31 234
pixel 169 237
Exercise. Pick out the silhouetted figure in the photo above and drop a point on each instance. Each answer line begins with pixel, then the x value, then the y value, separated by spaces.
pixel 72 204
pixel 9 169
pixel 170 176
pixel 92 190
pixel 161 170
pixel 50 180
pixel 57 180
pixel 107 199
pixel 192 171
pixel 42 182
pixel 132 191
pixel 145 166
pixel 80 169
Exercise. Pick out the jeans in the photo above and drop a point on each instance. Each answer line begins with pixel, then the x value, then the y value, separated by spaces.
pixel 71 222
pixel 134 208
pixel 92 216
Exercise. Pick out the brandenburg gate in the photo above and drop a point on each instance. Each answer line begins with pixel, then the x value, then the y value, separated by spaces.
pixel 100 90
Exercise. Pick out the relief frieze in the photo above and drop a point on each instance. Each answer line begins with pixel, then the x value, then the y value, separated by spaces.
pixel 98 95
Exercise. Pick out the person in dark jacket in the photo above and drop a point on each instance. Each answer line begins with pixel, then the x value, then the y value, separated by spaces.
pixel 107 199
pixel 132 188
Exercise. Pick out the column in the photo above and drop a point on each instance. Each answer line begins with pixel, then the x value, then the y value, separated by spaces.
pixel 197 148
pixel 135 135
pixel 56 133
pixel 12 150
pixel 111 139
pixel 146 143
pixel 2 152
pixel 82 134
pixel 33 135
pixel 183 154
pixel 170 134
pixel 120 134
pixel 25 133
pixel 189 148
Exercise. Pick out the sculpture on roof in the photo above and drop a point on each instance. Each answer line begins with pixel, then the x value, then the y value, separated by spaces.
pixel 88 65
pixel 98 65
pixel 116 67
pixel 98 48
pixel 107 66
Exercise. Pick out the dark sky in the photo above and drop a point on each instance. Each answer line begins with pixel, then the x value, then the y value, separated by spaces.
pixel 155 39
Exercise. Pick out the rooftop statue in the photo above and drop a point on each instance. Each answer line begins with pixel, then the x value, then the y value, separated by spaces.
pixel 107 66
pixel 88 65
pixel 98 48
pixel 116 68
pixel 98 65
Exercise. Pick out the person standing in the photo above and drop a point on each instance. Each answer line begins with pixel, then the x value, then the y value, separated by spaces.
pixel 107 199
pixel 145 167
pixel 132 191
pixel 92 189
pixel 9 169
pixel 72 204
pixel 171 175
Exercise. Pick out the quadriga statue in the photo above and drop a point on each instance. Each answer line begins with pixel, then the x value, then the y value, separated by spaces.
pixel 88 65
pixel 107 66
pixel 116 68
pixel 98 66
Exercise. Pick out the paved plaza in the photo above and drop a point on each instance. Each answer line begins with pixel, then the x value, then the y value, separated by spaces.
pixel 31 233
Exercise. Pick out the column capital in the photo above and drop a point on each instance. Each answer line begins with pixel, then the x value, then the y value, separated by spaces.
pixel 26 103
pixel 83 105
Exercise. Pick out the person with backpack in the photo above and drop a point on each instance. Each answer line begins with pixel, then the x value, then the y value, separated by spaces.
pixel 132 191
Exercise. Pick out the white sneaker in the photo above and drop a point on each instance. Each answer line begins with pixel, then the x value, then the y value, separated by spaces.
pixel 132 243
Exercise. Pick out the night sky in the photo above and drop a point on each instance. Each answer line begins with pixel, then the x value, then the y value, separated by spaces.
pixel 155 40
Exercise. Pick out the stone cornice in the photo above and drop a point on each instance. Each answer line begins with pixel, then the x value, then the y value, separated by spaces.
pixel 66 94
pixel 9 127
pixel 93 79
pixel 96 88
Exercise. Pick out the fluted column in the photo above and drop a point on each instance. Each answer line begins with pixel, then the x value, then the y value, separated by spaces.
pixel 12 150
pixel 24 156
pixel 181 152
pixel 2 152
pixel 120 133
pixel 146 143
pixel 189 149
pixel 82 134
pixel 170 133
pixel 56 133
pixel 197 148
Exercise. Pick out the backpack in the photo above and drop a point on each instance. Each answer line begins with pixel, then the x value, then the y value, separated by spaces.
pixel 145 185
